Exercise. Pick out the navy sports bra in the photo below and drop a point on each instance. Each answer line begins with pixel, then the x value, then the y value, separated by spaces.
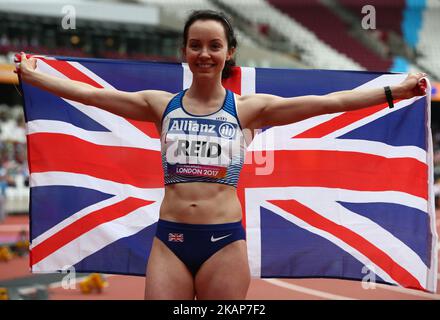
pixel 202 148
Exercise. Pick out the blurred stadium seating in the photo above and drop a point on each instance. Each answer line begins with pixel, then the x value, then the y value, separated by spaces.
pixel 429 43
pixel 14 171
pixel 333 31
pixel 325 34
pixel 312 51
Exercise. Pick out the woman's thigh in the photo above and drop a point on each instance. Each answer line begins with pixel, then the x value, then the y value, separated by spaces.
pixel 167 277
pixel 225 275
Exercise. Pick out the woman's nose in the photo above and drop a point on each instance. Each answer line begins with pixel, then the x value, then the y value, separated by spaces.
pixel 204 52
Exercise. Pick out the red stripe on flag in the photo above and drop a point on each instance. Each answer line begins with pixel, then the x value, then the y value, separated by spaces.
pixel 376 255
pixel 83 225
pixel 233 83
pixel 71 72
pixel 58 152
pixel 338 169
pixel 340 122
pixel 75 74
pixel 146 127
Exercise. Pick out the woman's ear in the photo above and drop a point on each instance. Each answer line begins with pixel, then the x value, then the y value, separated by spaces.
pixel 230 54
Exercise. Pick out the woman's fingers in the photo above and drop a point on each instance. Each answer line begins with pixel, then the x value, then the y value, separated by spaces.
pixel 417 75
pixel 19 59
pixel 422 75
pixel 422 85
pixel 417 83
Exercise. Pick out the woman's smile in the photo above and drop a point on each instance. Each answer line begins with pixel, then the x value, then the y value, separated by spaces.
pixel 205 65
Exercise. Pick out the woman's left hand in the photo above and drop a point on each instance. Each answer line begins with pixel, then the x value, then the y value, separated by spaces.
pixel 414 85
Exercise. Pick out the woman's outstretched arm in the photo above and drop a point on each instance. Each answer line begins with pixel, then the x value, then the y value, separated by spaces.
pixel 141 105
pixel 262 110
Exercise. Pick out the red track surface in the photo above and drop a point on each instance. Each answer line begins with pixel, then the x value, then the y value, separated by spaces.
pixel 131 288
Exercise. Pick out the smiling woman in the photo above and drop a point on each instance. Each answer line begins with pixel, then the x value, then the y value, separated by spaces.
pixel 200 250
pixel 218 24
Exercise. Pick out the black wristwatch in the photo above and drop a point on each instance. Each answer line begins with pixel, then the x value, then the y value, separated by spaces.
pixel 389 96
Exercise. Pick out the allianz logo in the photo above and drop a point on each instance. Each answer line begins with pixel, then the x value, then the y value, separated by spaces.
pixel 226 130
pixel 212 127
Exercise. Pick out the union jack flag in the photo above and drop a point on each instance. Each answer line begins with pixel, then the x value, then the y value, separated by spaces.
pixel 324 197
pixel 175 237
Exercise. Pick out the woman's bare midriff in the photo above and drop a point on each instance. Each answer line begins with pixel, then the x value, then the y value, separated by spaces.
pixel 200 203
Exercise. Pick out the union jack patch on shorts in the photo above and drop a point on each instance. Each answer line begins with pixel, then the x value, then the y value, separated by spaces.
pixel 175 237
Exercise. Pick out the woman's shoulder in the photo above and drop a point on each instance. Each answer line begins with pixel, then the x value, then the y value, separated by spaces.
pixel 253 100
pixel 158 98
pixel 159 94
pixel 249 107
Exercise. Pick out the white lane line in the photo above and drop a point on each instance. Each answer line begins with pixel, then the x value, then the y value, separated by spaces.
pixel 305 290
pixel 331 296
pixel 412 292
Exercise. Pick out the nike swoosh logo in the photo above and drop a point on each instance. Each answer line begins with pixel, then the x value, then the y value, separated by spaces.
pixel 219 238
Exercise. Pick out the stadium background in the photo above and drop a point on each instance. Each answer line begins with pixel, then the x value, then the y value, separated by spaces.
pixel 319 34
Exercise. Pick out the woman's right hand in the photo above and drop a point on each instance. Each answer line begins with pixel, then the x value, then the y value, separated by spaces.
pixel 24 66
